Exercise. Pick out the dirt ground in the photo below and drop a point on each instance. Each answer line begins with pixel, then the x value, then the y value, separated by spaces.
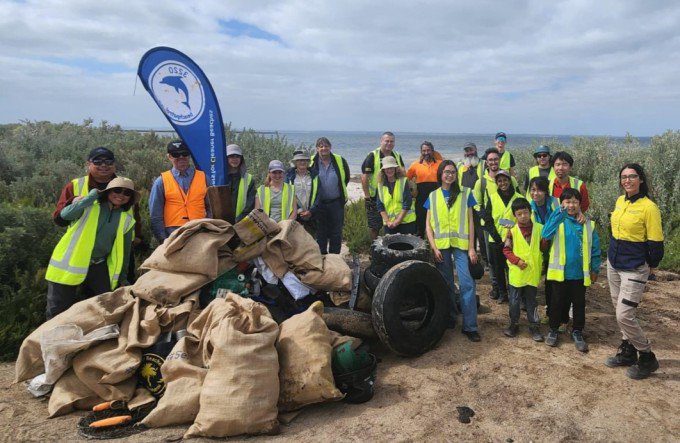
pixel 520 390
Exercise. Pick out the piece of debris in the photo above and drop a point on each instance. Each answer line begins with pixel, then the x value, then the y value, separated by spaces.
pixel 464 414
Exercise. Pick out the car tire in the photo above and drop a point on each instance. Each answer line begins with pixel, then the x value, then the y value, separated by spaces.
pixel 411 308
pixel 370 280
pixel 391 249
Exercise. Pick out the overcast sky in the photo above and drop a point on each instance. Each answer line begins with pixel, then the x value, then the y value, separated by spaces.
pixel 538 67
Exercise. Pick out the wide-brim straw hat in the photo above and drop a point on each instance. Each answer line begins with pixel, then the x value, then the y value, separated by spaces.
pixel 389 162
pixel 124 182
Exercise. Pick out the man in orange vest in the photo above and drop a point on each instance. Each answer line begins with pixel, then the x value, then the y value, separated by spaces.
pixel 178 195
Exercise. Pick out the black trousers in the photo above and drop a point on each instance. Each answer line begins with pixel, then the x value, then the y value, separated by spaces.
pixel 329 219
pixel 61 297
pixel 424 190
pixel 500 266
pixel 564 295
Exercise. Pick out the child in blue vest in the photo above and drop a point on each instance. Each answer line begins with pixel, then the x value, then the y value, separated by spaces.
pixel 573 263
pixel 523 250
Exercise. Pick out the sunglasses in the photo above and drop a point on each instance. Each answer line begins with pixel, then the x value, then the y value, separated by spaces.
pixel 126 192
pixel 179 154
pixel 541 155
pixel 101 161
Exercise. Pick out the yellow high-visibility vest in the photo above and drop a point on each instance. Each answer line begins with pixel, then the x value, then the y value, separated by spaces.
pixel 558 254
pixel 534 171
pixel 504 162
pixel 338 161
pixel 71 257
pixel 574 183
pixel 530 253
pixel 393 202
pixel 450 225
pixel 502 213
pixel 243 186
pixel 264 193
pixel 377 164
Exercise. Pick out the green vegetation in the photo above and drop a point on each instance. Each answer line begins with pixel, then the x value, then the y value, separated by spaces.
pixel 38 158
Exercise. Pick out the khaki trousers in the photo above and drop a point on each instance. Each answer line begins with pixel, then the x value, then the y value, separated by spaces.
pixel 626 288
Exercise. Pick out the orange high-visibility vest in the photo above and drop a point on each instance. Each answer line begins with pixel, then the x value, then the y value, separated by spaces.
pixel 181 207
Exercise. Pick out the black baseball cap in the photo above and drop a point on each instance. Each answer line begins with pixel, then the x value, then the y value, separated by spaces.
pixel 100 152
pixel 176 146
pixel 500 135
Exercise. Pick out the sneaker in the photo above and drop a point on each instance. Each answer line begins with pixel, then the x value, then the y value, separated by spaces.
pixel 551 339
pixel 511 330
pixel 535 332
pixel 579 342
pixel 643 368
pixel 627 355
pixel 563 328
pixel 472 335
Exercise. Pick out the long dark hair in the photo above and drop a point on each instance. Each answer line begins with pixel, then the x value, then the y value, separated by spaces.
pixel 455 187
pixel 644 184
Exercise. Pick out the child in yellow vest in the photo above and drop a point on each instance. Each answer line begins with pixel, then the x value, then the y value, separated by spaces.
pixel 523 250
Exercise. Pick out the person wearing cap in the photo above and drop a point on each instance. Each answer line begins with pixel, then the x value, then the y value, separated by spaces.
pixel 332 171
pixel 241 183
pixel 470 171
pixel 306 189
pixel 276 197
pixel 395 203
pixel 450 233
pixel 178 195
pixel 424 172
pixel 541 169
pixel 507 161
pixel 101 169
pixel 370 170
pixel 95 250
pixel 499 218
pixel 563 163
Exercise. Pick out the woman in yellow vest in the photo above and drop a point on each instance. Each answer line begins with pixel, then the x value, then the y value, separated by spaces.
pixel 306 184
pixel 241 183
pixel 498 219
pixel 450 232
pixel 635 247
pixel 395 203
pixel 276 197
pixel 573 263
pixel 94 251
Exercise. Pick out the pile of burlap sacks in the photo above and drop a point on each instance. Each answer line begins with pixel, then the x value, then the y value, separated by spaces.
pixel 236 369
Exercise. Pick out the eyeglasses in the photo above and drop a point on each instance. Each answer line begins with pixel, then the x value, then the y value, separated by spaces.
pixel 179 154
pixel 448 172
pixel 125 191
pixel 629 177
pixel 101 161
pixel 542 155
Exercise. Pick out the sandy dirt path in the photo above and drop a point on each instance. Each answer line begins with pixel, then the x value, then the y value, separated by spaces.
pixel 520 390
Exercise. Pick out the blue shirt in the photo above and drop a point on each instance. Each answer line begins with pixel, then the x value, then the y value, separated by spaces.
pixel 328 182
pixel 471 199
pixel 573 233
pixel 157 202
pixel 542 213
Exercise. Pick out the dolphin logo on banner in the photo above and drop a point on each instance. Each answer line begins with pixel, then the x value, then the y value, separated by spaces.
pixel 185 96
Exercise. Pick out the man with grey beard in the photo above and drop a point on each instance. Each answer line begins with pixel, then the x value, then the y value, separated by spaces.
pixel 471 169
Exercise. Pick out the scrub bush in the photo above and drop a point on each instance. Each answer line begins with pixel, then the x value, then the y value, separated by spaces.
pixel 355 231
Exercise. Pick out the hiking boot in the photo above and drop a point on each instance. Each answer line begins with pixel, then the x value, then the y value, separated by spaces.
pixel 494 294
pixel 551 339
pixel 472 335
pixel 535 332
pixel 646 364
pixel 627 355
pixel 579 342
pixel 511 330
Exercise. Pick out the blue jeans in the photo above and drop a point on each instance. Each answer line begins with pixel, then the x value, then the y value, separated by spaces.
pixel 468 299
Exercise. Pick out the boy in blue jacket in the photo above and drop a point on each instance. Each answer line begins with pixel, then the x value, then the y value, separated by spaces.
pixel 573 263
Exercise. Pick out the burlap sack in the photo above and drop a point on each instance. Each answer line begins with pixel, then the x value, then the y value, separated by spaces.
pixel 186 366
pixel 194 248
pixel 105 309
pixel 167 288
pixel 335 275
pixel 183 373
pixel 255 226
pixel 292 249
pixel 70 394
pixel 109 368
pixel 175 318
pixel 240 392
pixel 305 374
pixel 338 339
pixel 248 252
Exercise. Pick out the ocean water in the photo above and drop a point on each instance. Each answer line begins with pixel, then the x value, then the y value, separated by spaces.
pixel 354 146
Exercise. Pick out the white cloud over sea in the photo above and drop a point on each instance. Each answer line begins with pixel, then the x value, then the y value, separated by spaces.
pixel 567 67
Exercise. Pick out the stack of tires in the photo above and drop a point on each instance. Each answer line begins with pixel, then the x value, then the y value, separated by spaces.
pixel 391 250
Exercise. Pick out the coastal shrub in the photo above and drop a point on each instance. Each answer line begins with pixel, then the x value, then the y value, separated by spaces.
pixel 355 232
